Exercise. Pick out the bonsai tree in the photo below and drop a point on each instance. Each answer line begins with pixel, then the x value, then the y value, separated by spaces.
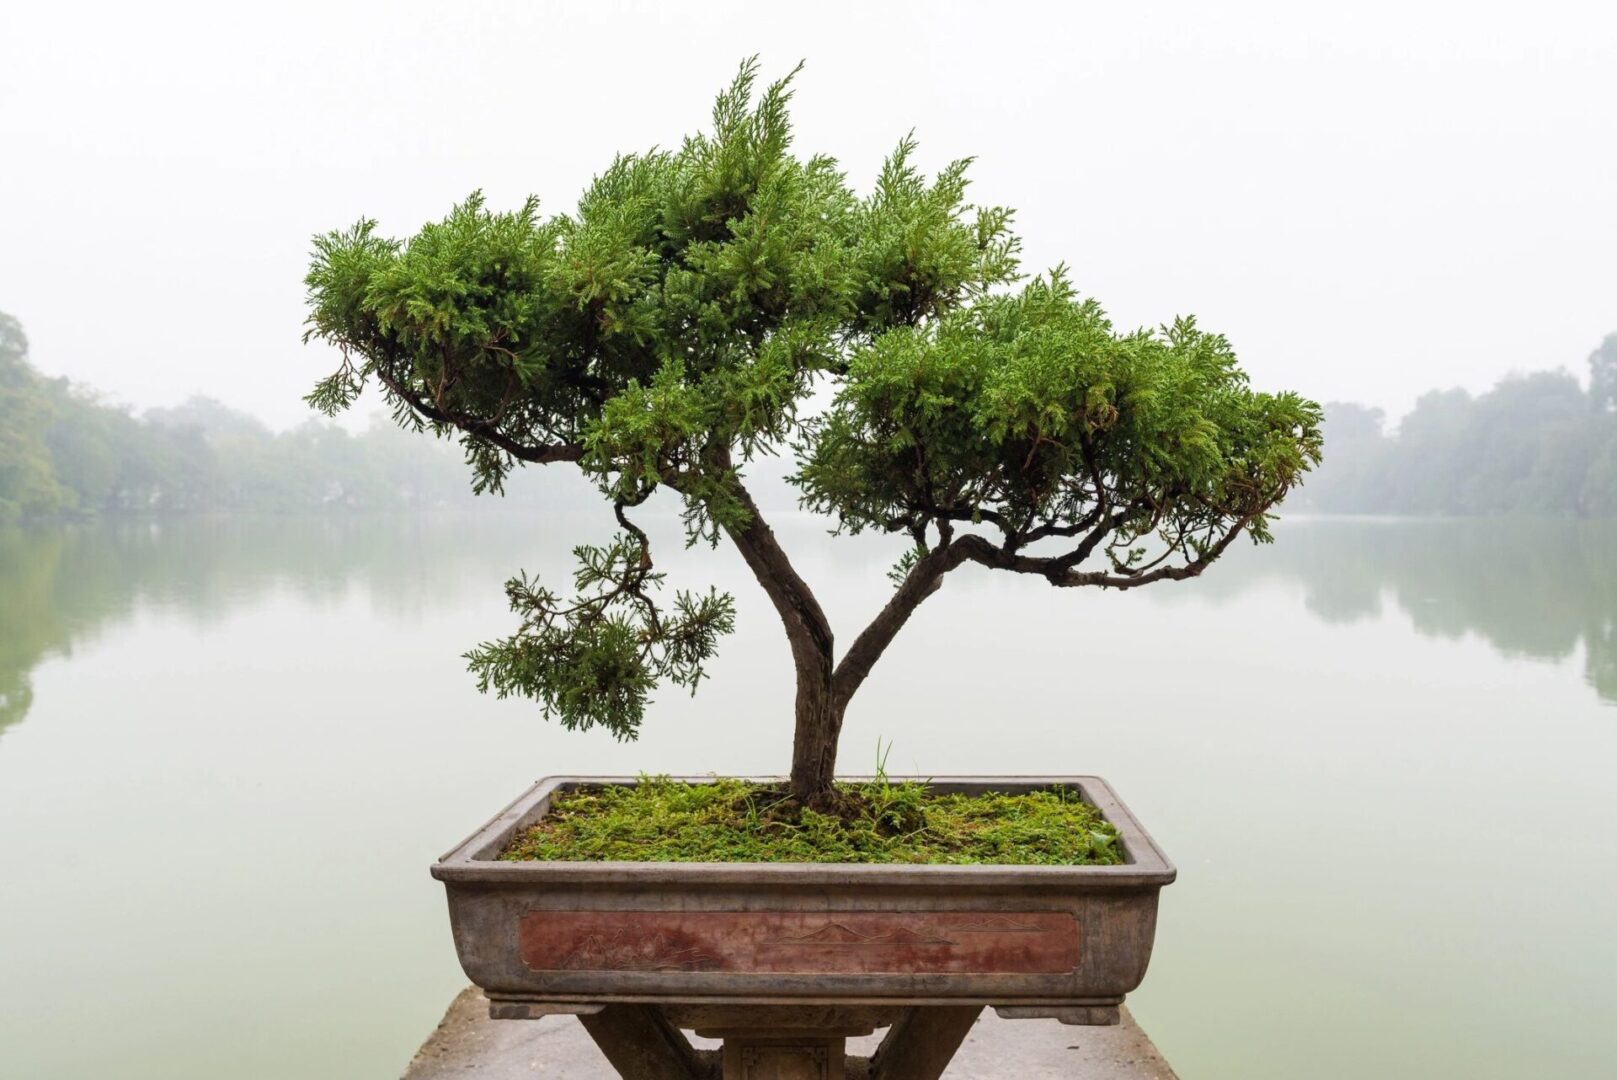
pixel 705 306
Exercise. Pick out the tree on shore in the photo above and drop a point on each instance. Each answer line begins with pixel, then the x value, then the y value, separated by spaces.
pixel 1535 443
pixel 66 453
pixel 28 485
pixel 728 300
pixel 1603 376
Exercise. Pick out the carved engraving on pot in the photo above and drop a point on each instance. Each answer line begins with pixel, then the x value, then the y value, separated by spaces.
pixel 793 942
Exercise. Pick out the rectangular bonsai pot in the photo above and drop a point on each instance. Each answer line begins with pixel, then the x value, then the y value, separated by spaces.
pixel 1064 941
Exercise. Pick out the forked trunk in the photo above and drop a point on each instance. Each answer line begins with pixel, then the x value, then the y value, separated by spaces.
pixel 819 710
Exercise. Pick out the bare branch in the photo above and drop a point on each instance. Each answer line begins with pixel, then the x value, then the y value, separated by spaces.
pixel 806 624
pixel 482 429
pixel 1059 570
pixel 924 579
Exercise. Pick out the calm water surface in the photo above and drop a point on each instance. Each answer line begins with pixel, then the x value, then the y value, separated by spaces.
pixel 1382 755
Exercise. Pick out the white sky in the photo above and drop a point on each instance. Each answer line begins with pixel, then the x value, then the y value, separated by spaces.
pixel 1370 199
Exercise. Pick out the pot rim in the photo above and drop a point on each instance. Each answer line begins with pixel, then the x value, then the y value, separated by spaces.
pixel 475 858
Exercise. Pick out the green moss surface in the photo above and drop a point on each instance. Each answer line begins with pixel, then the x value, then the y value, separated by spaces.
pixel 662 820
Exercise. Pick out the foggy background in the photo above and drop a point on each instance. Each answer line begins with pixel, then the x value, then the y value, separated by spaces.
pixel 1371 200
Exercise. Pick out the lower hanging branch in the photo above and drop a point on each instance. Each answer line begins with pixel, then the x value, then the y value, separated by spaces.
pixel 594 660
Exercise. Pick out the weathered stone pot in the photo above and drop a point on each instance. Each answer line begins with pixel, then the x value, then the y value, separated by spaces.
pixel 1061 941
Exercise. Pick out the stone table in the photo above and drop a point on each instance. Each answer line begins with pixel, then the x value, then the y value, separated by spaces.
pixel 470 1046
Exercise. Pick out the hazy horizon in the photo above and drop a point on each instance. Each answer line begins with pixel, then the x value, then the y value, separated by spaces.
pixel 241 649
pixel 1369 203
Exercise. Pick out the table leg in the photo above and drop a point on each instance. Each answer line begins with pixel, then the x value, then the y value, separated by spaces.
pixel 923 1042
pixel 642 1045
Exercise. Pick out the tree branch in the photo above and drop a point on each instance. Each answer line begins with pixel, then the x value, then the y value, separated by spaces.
pixel 806 625
pixel 538 455
pixel 1058 570
pixel 924 579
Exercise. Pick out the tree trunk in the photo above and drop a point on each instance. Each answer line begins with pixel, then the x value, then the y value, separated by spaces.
pixel 814 745
pixel 819 707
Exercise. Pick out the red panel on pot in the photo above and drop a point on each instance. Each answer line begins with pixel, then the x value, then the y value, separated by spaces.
pixel 792 942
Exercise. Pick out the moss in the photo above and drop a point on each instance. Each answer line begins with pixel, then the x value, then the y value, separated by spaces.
pixel 662 820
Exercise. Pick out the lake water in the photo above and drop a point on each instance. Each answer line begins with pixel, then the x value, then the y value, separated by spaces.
pixel 1383 755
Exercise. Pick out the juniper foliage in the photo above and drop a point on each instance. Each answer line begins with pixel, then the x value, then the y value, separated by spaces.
pixel 675 326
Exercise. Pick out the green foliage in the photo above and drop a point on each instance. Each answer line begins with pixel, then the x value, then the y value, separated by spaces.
pixel 729 299
pixel 688 304
pixel 28 485
pixel 1028 411
pixel 595 660
pixel 663 820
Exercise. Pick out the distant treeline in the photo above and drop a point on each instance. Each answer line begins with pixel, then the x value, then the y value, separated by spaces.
pixel 64 454
pixel 1534 444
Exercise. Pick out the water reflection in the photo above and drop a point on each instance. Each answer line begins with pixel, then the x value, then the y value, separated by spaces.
pixel 60 587
pixel 29 628
pixel 1544 590
pixel 294 683
pixel 1534 589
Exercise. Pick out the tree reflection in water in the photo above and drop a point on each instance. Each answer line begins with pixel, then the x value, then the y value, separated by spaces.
pixel 62 586
pixel 1531 588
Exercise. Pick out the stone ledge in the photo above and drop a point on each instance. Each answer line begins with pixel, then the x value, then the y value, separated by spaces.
pixel 470 1046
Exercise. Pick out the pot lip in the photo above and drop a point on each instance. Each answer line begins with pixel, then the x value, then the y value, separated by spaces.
pixel 473 860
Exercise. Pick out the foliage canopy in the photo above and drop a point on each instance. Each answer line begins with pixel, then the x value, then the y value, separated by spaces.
pixel 729 299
